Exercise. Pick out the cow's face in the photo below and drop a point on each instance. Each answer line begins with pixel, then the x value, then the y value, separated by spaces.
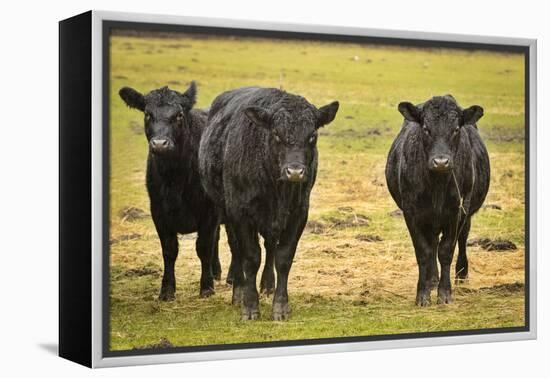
pixel 441 121
pixel 165 112
pixel 292 136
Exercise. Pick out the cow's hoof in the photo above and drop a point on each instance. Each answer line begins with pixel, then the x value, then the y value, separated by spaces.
pixel 250 314
pixel 444 296
pixel 461 277
pixel 267 284
pixel 267 288
pixel 237 297
pixel 217 273
pixel 423 299
pixel 280 312
pixel 167 295
pixel 266 291
pixel 461 281
pixel 208 292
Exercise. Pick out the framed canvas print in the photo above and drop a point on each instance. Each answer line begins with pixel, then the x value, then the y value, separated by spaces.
pixel 232 189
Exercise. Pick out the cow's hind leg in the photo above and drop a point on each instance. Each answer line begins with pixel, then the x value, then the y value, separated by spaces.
pixel 216 265
pixel 250 256
pixel 205 250
pixel 231 272
pixel 435 269
pixel 461 269
pixel 169 244
pixel 267 283
pixel 235 274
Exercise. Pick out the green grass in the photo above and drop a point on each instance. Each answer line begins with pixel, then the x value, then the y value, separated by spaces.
pixel 339 285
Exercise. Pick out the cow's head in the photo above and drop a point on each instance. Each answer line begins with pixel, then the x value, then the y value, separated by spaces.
pixel 292 126
pixel 166 114
pixel 442 121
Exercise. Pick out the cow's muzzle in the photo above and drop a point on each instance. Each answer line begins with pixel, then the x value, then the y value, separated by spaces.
pixel 441 163
pixel 161 145
pixel 295 172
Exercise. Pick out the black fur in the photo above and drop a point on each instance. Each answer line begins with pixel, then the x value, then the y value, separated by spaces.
pixel 438 138
pixel 258 162
pixel 178 202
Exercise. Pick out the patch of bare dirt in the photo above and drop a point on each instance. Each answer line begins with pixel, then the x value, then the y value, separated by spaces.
pixel 397 213
pixel 124 237
pixel 142 271
pixel 504 288
pixel 178 46
pixel 132 213
pixel 492 244
pixel 316 227
pixel 492 206
pixel 351 220
pixel 347 218
pixel 163 343
pixel 368 238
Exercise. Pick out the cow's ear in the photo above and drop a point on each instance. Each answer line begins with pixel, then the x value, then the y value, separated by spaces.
pixel 259 116
pixel 471 115
pixel 132 98
pixel 410 112
pixel 450 96
pixel 190 95
pixel 327 113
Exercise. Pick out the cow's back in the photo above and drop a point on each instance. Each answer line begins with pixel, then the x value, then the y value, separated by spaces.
pixel 480 160
pixel 225 115
pixel 393 163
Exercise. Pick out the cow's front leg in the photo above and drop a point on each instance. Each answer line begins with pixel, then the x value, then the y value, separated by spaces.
pixel 250 256
pixel 425 242
pixel 169 244
pixel 445 255
pixel 284 256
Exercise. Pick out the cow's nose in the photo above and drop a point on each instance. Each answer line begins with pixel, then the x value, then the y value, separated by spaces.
pixel 159 145
pixel 441 162
pixel 295 173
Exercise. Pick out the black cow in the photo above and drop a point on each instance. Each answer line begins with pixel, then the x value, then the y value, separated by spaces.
pixel 178 202
pixel 438 173
pixel 258 162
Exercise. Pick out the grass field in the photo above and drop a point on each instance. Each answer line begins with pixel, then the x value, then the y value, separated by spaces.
pixel 355 272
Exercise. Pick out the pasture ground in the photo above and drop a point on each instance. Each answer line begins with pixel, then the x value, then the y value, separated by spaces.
pixel 355 272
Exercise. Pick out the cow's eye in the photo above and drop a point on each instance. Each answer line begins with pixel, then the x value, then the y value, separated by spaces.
pixel 147 116
pixel 179 117
pixel 456 130
pixel 312 138
pixel 277 137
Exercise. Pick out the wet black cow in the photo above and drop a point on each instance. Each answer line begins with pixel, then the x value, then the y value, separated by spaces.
pixel 258 162
pixel 438 173
pixel 178 202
